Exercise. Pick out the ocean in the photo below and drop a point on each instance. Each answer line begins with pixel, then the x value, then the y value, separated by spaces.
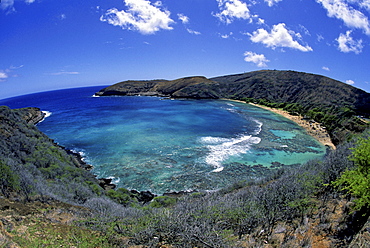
pixel 165 145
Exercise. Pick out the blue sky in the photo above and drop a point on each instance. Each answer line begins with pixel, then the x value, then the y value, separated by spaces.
pixel 51 44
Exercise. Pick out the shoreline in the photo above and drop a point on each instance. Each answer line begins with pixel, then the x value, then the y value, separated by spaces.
pixel 312 128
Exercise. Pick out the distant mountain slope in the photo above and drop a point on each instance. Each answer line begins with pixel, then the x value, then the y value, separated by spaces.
pixel 309 90
pixel 158 88
pixel 294 87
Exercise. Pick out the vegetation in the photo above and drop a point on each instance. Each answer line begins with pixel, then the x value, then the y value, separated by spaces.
pixel 9 181
pixel 341 123
pixel 357 181
pixel 338 106
pixel 53 201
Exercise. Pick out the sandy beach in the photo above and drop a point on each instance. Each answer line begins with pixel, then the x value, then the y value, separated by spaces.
pixel 312 128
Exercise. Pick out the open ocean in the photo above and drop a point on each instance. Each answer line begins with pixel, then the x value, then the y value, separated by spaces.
pixel 163 145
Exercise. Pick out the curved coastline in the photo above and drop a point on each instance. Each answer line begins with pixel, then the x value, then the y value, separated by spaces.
pixel 313 128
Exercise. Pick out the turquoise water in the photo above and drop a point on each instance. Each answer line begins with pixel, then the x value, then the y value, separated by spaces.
pixel 162 145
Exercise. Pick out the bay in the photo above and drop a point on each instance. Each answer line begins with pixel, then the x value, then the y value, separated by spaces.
pixel 164 145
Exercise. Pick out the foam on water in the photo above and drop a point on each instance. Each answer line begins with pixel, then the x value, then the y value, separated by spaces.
pixel 46 115
pixel 220 149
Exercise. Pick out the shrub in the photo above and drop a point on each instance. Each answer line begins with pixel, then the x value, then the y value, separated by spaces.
pixel 122 196
pixel 9 181
pixel 357 180
pixel 162 201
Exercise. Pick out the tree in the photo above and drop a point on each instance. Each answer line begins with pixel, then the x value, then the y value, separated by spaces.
pixel 357 181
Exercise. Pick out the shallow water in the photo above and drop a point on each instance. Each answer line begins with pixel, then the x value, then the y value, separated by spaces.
pixel 162 145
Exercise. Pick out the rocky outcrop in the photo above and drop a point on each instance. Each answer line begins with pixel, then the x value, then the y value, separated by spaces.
pixel 31 115
pixel 106 183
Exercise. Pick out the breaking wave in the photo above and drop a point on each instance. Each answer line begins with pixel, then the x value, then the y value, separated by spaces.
pixel 220 149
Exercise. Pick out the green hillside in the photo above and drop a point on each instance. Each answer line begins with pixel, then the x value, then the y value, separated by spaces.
pixel 49 198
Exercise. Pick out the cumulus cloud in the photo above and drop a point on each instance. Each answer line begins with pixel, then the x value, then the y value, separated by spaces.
pixel 347 44
pixel 231 9
pixel 141 16
pixel 351 17
pixel 279 36
pixel 272 2
pixel 183 18
pixel 365 4
pixel 325 68
pixel 350 82
pixel 258 59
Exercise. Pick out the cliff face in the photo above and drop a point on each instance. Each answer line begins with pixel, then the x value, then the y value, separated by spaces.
pixel 31 115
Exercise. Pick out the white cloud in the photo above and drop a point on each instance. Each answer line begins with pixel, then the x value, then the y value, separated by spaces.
pixel 320 37
pixel 226 36
pixel 7 73
pixel 141 16
pixel 279 36
pixel 9 4
pixel 183 18
pixel 190 31
pixel 350 82
pixel 272 2
pixel 15 67
pixel 305 30
pixel 351 17
pixel 258 59
pixel 231 9
pixel 347 44
pixel 326 68
pixel 62 17
pixel 260 21
pixel 365 4
pixel 63 73
pixel 3 76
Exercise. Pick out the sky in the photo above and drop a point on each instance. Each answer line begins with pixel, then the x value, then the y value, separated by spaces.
pixel 54 44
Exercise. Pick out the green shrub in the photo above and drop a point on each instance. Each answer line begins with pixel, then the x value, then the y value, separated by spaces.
pixel 162 201
pixel 357 181
pixel 122 196
pixel 9 181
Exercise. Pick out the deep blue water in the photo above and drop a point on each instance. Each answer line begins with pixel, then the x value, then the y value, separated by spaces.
pixel 162 145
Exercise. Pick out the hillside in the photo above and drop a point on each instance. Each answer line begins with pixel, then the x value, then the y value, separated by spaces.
pixel 334 104
pixel 48 198
pixel 275 86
